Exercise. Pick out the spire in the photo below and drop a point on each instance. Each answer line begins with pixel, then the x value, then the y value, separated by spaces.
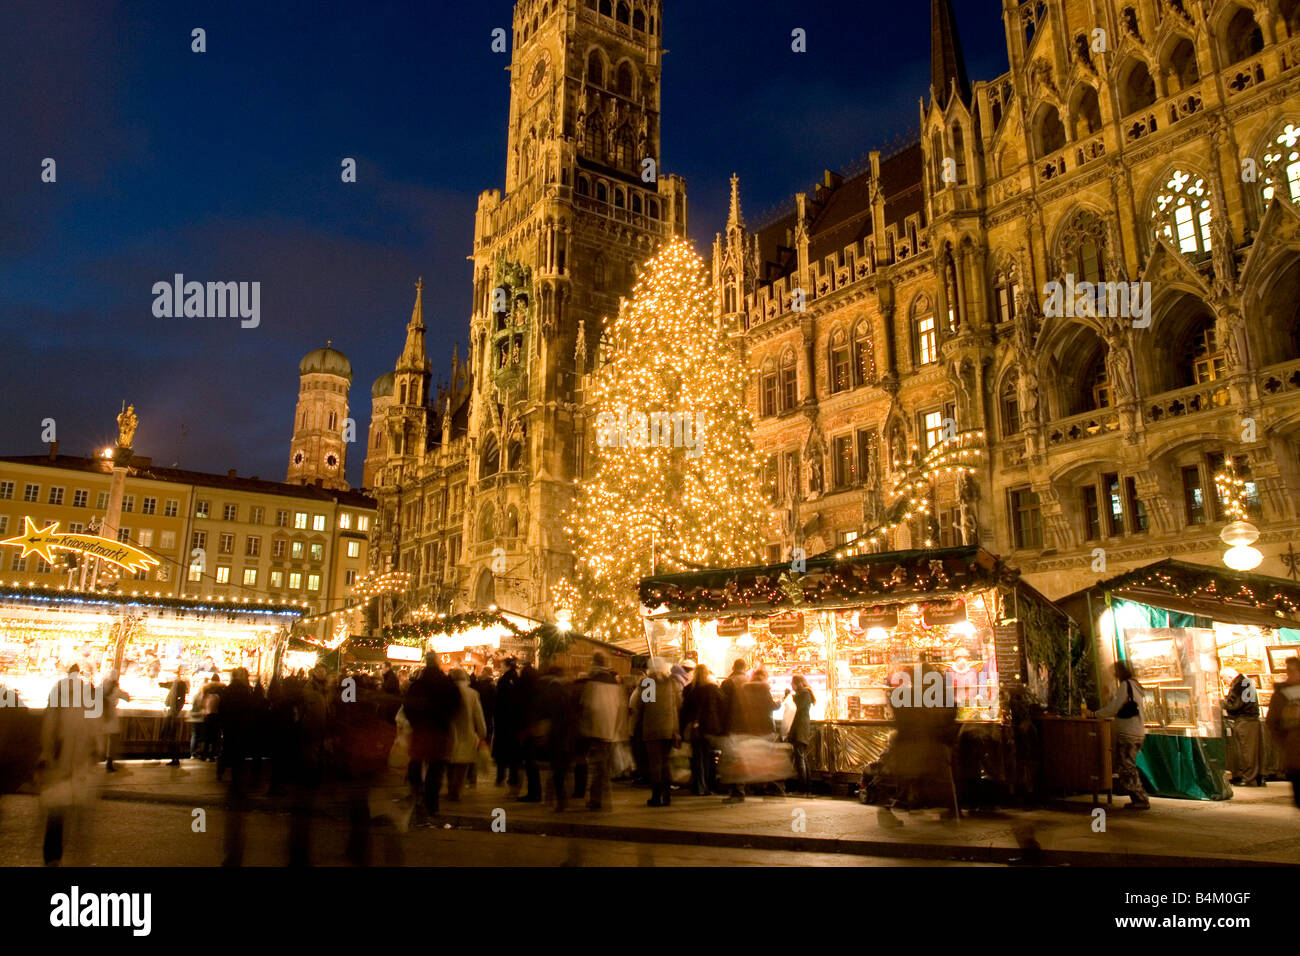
pixel 947 66
pixel 414 357
pixel 734 218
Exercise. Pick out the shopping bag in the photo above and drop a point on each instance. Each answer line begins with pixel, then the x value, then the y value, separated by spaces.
pixel 399 757
pixel 750 759
pixel 483 759
pixel 679 764
pixel 620 759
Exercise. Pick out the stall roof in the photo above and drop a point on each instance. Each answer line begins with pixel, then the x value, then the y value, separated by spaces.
pixel 18 594
pixel 884 578
pixel 1233 597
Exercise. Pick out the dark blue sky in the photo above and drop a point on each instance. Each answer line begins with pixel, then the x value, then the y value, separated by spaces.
pixel 225 166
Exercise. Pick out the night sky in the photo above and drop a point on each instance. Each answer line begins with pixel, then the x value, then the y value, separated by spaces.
pixel 225 166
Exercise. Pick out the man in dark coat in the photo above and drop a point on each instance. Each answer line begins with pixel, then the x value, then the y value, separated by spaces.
pixel 431 703
pixel 1242 709
pixel 531 731
pixel 505 741
pixel 237 720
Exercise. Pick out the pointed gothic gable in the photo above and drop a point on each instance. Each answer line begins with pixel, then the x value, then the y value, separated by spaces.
pixel 1278 234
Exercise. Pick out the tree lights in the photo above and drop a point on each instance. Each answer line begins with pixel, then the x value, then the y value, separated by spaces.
pixel 654 503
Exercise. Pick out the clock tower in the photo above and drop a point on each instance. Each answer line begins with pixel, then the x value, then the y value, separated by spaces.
pixel 585 204
pixel 317 449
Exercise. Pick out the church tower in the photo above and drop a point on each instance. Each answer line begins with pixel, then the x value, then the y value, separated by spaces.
pixel 317 450
pixel 584 205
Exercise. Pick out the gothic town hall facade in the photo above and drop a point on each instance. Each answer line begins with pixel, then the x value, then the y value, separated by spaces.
pixel 1154 143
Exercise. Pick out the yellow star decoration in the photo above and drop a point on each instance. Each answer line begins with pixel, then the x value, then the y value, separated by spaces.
pixel 41 541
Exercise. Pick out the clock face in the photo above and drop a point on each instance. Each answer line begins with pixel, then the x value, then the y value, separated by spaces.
pixel 331 460
pixel 297 458
pixel 536 78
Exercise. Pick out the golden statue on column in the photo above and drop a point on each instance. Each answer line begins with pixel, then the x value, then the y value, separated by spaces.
pixel 127 422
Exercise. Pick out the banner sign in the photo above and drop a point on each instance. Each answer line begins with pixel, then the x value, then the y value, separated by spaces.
pixel 43 541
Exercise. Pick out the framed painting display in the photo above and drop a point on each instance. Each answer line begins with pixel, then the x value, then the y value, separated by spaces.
pixel 1154 655
pixel 1151 714
pixel 1176 705
pixel 1277 655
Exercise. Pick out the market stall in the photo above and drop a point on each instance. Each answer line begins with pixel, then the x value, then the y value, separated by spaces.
pixel 149 637
pixel 861 629
pixel 468 640
pixel 1180 626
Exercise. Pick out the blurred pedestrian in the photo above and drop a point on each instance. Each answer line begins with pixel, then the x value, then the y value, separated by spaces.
pixel 69 729
pixel 559 716
pixel 598 722
pixel 1284 723
pixel 111 693
pixel 211 718
pixel 468 733
pixel 430 705
pixel 172 721
pixel 702 725
pixel 1130 731
pixel 657 707
pixel 531 734
pixel 734 717
pixel 237 713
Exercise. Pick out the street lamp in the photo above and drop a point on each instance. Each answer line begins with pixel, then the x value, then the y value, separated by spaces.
pixel 1239 536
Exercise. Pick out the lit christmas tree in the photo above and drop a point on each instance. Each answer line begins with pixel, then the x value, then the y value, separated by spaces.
pixel 676 484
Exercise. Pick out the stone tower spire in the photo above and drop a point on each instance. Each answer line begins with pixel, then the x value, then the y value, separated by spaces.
pixel 414 356
pixel 947 65
pixel 734 218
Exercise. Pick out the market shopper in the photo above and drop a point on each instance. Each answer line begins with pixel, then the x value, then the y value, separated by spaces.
pixel 734 718
pixel 505 730
pixel 468 733
pixel 532 732
pixel 1284 723
pixel 657 705
pixel 702 725
pixel 111 693
pixel 431 702
pixel 1125 707
pixel 1241 707
pixel 68 755
pixel 800 734
pixel 600 710
pixel 236 740
pixel 171 726
pixel 211 718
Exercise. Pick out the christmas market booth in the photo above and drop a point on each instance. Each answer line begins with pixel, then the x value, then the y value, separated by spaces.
pixel 857 628
pixel 468 640
pixel 148 637
pixel 1184 629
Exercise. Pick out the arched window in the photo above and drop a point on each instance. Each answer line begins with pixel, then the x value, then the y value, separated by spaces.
pixel 596 144
pixel 491 458
pixel 1085 113
pixel 402 400
pixel 1201 358
pixel 624 13
pixel 620 200
pixel 1096 390
pixel 602 191
pixel 636 203
pixel 654 209
pixel 959 153
pixel 768 389
pixel 512 522
pixel 1282 165
pixel 925 344
pixel 936 159
pixel 595 69
pixel 623 147
pixel 584 186
pixel 1050 130
pixel 789 382
pixel 1242 38
pixel 1081 247
pixel 1182 212
pixel 515 456
pixel 1181 64
pixel 950 293
pixel 623 81
pixel 841 364
pixel 638 20
pixel 1009 405
pixel 1137 89
pixel 864 358
pixel 606 8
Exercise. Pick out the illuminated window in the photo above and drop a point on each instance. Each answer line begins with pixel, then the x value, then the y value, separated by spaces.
pixel 295 580
pixel 932 428
pixel 927 349
pixel 317 552
pixel 223 574
pixel 1282 162
pixel 250 577
pixel 789 382
pixel 167 540
pixel 363 522
pixel 318 522
pixel 300 519
pixel 842 461
pixel 354 549
pixel 1183 212
pixel 841 367
pixel 313 582
pixel 345 521
pixel 864 359
pixel 144 538
pixel 277 579
pixel 298 550
pixel 196 573
pixel 768 394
